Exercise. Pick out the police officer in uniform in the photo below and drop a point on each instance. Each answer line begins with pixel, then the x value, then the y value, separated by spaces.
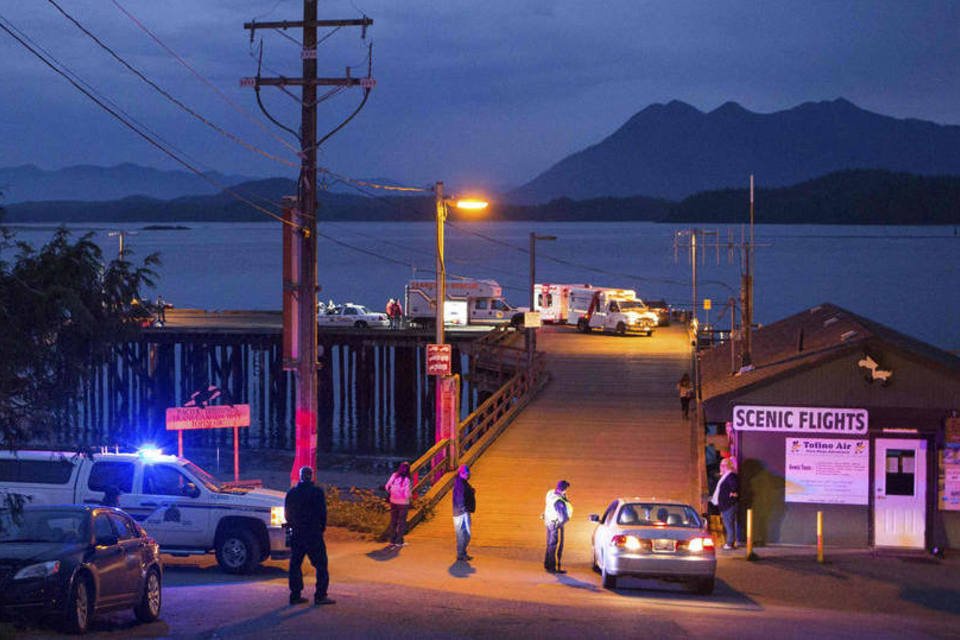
pixel 556 513
pixel 306 511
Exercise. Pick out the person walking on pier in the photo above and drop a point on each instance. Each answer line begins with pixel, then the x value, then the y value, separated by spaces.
pixel 726 497
pixel 399 486
pixel 464 504
pixel 306 511
pixel 556 514
pixel 685 390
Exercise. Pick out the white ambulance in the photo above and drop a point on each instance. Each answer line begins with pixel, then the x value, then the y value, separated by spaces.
pixel 467 302
pixel 614 310
pixel 553 301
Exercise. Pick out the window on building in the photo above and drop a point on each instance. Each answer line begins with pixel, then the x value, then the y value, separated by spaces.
pixel 901 472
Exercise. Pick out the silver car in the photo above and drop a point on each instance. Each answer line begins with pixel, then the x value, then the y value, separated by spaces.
pixel 654 539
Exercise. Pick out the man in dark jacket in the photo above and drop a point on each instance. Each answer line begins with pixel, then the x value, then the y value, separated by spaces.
pixel 306 511
pixel 464 504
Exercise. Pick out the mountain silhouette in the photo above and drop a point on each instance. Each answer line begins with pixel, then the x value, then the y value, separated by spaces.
pixel 29 183
pixel 673 150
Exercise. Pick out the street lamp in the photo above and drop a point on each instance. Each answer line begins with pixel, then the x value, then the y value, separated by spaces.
pixel 531 332
pixel 442 203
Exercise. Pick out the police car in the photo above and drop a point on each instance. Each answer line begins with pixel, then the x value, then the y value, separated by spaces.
pixel 349 314
pixel 180 505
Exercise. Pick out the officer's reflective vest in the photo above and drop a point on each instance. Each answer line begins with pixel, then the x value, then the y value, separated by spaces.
pixel 550 515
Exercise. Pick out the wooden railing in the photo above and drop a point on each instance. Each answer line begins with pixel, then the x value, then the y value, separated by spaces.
pixel 435 471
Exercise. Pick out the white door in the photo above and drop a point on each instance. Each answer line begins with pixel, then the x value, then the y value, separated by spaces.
pixel 900 493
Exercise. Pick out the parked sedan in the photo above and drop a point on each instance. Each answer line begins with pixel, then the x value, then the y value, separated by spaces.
pixel 75 562
pixel 662 309
pixel 652 539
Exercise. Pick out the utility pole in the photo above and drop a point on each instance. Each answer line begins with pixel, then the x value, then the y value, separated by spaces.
pixel 304 356
pixel 746 292
pixel 531 334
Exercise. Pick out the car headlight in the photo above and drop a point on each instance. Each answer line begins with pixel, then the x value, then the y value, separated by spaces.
pixel 41 570
pixel 278 516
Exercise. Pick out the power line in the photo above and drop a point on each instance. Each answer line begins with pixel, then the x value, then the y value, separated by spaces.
pixel 167 95
pixel 4 22
pixel 200 77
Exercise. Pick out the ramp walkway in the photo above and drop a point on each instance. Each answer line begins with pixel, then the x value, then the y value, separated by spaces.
pixel 609 422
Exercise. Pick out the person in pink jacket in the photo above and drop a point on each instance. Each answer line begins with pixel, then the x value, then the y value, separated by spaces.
pixel 400 488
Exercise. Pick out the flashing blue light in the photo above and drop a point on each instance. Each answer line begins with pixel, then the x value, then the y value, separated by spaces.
pixel 150 452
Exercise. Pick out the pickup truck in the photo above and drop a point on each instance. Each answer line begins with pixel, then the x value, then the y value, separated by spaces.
pixel 182 506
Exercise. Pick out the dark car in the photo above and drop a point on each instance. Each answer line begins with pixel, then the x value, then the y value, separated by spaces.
pixel 75 562
pixel 662 309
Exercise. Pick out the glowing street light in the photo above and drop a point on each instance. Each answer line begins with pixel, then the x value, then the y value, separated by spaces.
pixel 442 203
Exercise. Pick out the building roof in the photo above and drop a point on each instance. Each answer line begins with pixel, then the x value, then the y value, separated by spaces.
pixel 805 340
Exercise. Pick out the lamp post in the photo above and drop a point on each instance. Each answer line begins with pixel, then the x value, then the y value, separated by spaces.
pixel 531 332
pixel 442 202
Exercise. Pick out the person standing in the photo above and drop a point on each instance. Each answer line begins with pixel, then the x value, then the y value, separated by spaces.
pixel 726 497
pixel 398 314
pixel 685 390
pixel 464 504
pixel 306 511
pixel 400 487
pixel 556 514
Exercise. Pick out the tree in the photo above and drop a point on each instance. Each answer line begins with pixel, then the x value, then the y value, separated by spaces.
pixel 62 311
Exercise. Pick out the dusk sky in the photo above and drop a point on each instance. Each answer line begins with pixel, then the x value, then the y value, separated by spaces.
pixel 488 93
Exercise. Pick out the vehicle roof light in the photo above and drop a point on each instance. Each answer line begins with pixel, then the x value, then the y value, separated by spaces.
pixel 150 452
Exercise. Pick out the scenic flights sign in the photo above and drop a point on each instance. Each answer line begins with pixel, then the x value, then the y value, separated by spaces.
pixel 827 471
pixel 815 420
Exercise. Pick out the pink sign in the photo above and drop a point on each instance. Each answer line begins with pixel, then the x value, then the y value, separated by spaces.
pixel 218 417
pixel 439 358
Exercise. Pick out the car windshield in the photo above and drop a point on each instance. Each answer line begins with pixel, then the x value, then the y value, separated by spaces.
pixel 208 480
pixel 647 514
pixel 632 304
pixel 43 525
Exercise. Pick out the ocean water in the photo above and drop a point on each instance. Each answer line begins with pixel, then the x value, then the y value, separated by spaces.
pixel 904 277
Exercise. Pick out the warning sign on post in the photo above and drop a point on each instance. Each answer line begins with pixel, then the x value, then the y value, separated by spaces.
pixel 439 358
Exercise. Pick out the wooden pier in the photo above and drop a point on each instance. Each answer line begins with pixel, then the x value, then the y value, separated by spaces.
pixel 375 396
pixel 609 422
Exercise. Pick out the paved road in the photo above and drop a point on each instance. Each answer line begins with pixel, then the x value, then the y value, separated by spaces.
pixel 422 593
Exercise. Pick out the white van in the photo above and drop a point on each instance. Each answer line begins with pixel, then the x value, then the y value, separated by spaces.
pixel 182 506
pixel 467 302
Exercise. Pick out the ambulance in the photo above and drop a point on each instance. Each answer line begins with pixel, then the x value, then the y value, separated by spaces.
pixel 467 302
pixel 553 301
pixel 610 310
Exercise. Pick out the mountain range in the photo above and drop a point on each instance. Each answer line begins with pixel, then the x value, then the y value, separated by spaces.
pixel 860 196
pixel 28 182
pixel 674 150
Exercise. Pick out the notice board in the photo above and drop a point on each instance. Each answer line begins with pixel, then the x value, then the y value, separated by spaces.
pixel 827 471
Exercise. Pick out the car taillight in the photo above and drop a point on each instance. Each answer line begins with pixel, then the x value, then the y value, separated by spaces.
pixel 700 545
pixel 631 543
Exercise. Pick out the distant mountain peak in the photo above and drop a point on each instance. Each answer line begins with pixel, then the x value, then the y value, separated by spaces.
pixel 730 108
pixel 673 150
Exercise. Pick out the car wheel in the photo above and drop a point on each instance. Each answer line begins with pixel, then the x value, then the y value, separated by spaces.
pixel 595 566
pixel 79 607
pixel 583 326
pixel 238 551
pixel 608 579
pixel 621 329
pixel 148 609
pixel 703 586
pixel 360 324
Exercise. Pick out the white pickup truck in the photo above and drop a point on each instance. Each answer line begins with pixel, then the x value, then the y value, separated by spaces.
pixel 182 506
